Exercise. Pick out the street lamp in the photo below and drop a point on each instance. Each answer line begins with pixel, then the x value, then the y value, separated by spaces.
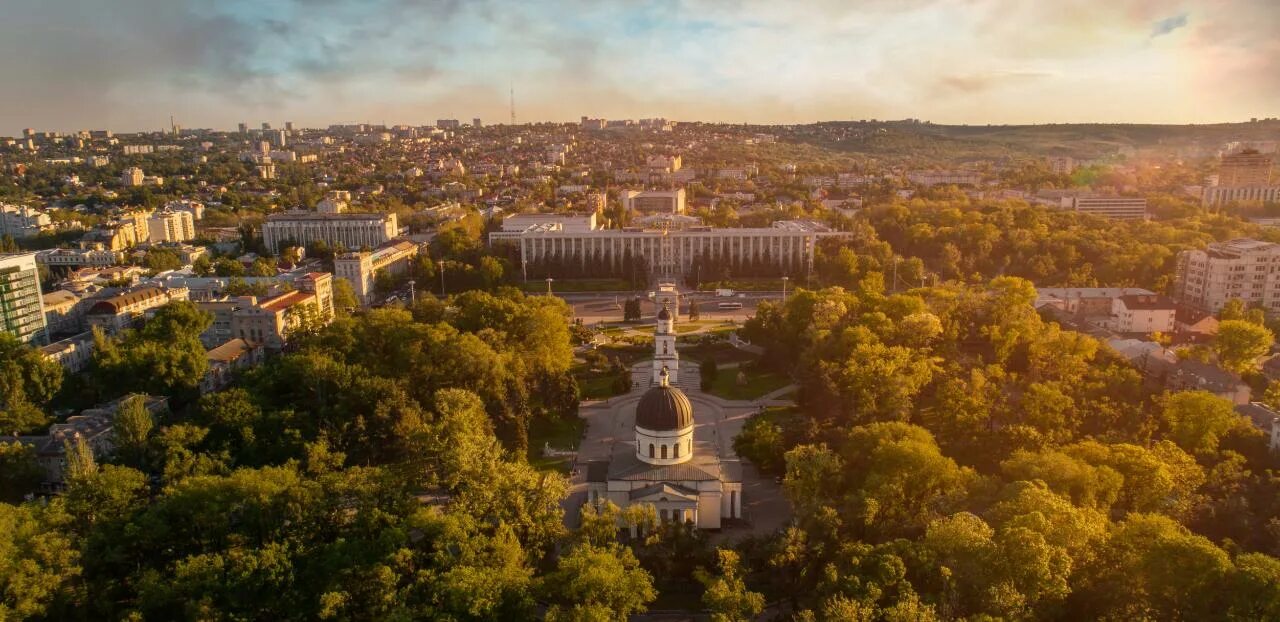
pixel 412 294
pixel 549 280
pixel 784 287
pixel 441 264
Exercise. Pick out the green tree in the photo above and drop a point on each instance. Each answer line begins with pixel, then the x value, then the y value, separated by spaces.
pixel 597 583
pixel 132 426
pixel 1239 343
pixel 225 266
pixel 726 595
pixel 693 311
pixel 1198 420
pixel 27 382
pixel 20 473
pixel 39 562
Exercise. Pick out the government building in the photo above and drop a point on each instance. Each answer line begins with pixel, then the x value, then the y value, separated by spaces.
pixel 685 480
pixel 349 230
pixel 669 246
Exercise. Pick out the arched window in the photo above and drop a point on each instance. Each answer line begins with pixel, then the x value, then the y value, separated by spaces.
pixel 650 450
pixel 675 450
pixel 664 452
pixel 664 347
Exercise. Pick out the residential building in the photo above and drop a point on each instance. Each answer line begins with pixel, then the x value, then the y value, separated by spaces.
pixel 121 311
pixel 1142 313
pixel 448 124
pixel 334 202
pixel 1085 302
pixel 1265 419
pixel 1061 165
pixel 1192 375
pixel 1188 320
pixel 171 226
pixel 96 426
pixel 348 230
pixel 270 321
pixel 196 208
pixel 654 201
pixel 21 301
pixel 72 353
pixel 1246 168
pixel 663 163
pixel 21 221
pixel 63 312
pixel 1242 269
pixel 228 358
pixel 132 176
pixel 361 268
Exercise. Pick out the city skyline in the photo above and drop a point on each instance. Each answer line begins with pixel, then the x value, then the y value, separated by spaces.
pixel 128 66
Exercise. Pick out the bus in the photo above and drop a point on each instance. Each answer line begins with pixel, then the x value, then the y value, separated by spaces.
pixel 729 306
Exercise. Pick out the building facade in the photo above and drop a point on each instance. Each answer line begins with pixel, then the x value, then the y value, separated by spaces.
pixel 1222 195
pixel 1116 207
pixel 1244 269
pixel 361 268
pixel 1246 168
pixel 171 226
pixel 789 244
pixel 654 201
pixel 121 311
pixel 352 231
pixel 21 302
pixel 21 221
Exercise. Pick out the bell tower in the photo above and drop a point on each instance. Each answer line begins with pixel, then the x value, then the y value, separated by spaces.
pixel 664 347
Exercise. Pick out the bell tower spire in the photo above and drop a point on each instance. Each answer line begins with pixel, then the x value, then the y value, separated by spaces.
pixel 666 362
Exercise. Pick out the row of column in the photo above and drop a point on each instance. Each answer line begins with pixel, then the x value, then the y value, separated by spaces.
pixel 682 250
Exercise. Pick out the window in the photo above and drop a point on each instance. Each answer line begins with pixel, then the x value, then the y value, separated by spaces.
pixel 664 452
pixel 675 450
pixel 662 514
pixel 650 450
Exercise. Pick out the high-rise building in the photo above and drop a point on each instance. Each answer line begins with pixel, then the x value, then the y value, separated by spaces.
pixel 448 124
pixel 1246 168
pixel 266 127
pixel 288 126
pixel 171 226
pixel 1240 269
pixel 243 128
pixel 266 170
pixel 21 301
pixel 654 201
pixel 475 122
pixel 132 176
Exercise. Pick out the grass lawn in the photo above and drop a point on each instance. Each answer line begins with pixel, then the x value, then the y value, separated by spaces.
pixel 711 325
pixel 721 351
pixel 595 387
pixel 563 433
pixel 577 285
pixel 758 383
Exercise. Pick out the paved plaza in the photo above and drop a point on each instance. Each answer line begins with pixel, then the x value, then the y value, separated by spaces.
pixel 716 420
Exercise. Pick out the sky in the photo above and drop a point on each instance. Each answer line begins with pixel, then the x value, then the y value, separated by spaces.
pixel 127 65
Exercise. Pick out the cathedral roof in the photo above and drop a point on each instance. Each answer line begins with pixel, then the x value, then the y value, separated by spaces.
pixel 706 465
pixel 664 408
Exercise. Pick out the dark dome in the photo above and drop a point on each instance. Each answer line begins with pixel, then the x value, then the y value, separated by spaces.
pixel 664 314
pixel 664 408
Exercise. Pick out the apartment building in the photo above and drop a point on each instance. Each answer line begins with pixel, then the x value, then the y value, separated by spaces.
pixel 362 267
pixel 1246 168
pixel 1142 313
pixel 132 176
pixel 346 230
pixel 171 226
pixel 21 221
pixel 1244 269
pixel 21 302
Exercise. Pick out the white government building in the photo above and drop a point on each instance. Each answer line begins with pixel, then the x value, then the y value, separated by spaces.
pixel 685 480
pixel 350 230
pixel 669 246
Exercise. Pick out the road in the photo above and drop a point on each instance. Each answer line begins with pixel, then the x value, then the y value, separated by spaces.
pixel 592 307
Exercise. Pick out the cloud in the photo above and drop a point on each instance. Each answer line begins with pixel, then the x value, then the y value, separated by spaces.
pixel 987 80
pixel 1168 25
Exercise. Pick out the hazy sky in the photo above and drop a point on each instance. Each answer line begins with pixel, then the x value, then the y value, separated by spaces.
pixel 128 64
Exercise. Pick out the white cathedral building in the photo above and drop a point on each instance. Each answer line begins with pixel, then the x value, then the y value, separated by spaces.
pixel 685 480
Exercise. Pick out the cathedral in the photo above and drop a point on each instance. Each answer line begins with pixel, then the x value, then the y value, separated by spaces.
pixel 663 466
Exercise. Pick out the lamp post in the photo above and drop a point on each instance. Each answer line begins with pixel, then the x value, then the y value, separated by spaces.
pixel 549 280
pixel 441 264
pixel 412 293
pixel 784 287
